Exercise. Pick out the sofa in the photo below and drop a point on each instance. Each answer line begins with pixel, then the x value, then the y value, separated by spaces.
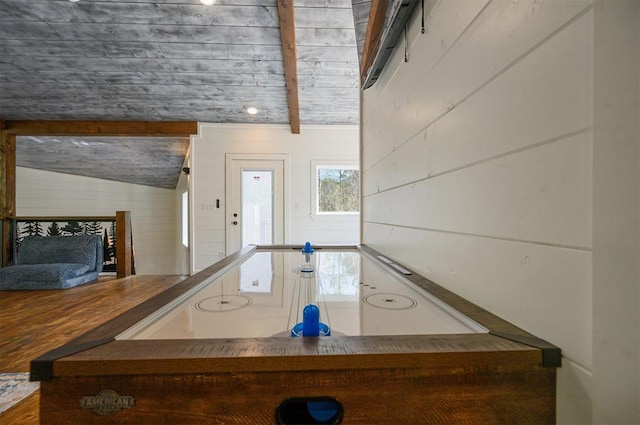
pixel 54 262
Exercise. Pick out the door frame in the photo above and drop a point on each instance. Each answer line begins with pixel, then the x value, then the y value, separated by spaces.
pixel 229 158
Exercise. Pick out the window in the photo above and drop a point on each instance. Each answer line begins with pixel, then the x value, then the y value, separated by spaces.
pixel 185 219
pixel 337 189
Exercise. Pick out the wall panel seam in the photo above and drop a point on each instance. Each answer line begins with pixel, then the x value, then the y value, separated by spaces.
pixel 410 46
pixel 488 81
pixel 562 137
pixel 477 235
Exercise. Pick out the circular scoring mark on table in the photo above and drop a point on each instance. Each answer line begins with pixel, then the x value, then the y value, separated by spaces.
pixel 223 303
pixel 390 301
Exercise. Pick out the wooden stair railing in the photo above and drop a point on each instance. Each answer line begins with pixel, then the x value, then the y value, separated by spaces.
pixel 125 259
pixel 125 262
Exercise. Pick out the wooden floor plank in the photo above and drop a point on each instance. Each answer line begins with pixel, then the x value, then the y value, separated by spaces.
pixel 25 412
pixel 34 322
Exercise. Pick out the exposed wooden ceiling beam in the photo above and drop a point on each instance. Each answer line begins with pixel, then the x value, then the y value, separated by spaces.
pixel 102 128
pixel 288 37
pixel 377 13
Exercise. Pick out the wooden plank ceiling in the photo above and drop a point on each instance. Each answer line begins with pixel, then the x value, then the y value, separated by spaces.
pixel 171 60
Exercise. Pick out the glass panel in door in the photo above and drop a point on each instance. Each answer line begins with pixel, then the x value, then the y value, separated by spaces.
pixel 257 207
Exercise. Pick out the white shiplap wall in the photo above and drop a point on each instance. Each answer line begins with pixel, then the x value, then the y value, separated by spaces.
pixel 208 161
pixel 616 213
pixel 153 211
pixel 477 159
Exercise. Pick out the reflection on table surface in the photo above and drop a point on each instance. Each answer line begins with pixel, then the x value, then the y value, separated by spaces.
pixel 264 296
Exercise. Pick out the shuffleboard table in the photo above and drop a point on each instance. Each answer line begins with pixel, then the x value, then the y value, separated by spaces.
pixel 301 335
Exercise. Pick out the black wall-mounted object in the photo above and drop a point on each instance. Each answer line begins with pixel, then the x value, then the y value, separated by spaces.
pixel 393 27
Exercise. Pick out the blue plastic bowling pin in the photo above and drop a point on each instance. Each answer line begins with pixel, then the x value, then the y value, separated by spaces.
pixel 311 320
pixel 307 251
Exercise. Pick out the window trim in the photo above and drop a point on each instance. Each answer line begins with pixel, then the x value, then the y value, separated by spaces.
pixel 333 164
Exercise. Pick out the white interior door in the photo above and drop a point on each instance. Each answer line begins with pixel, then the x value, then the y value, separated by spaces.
pixel 255 202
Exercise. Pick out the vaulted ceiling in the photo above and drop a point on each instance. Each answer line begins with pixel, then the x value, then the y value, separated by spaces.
pixel 171 60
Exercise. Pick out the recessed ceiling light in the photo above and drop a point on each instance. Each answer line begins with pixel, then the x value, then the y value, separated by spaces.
pixel 207 2
pixel 252 110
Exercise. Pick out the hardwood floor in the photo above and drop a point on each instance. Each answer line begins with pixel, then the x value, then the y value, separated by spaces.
pixel 34 322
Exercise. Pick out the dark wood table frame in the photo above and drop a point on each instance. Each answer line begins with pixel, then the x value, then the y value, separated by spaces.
pixel 504 376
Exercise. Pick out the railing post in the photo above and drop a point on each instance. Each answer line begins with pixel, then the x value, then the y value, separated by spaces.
pixel 7 190
pixel 124 245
